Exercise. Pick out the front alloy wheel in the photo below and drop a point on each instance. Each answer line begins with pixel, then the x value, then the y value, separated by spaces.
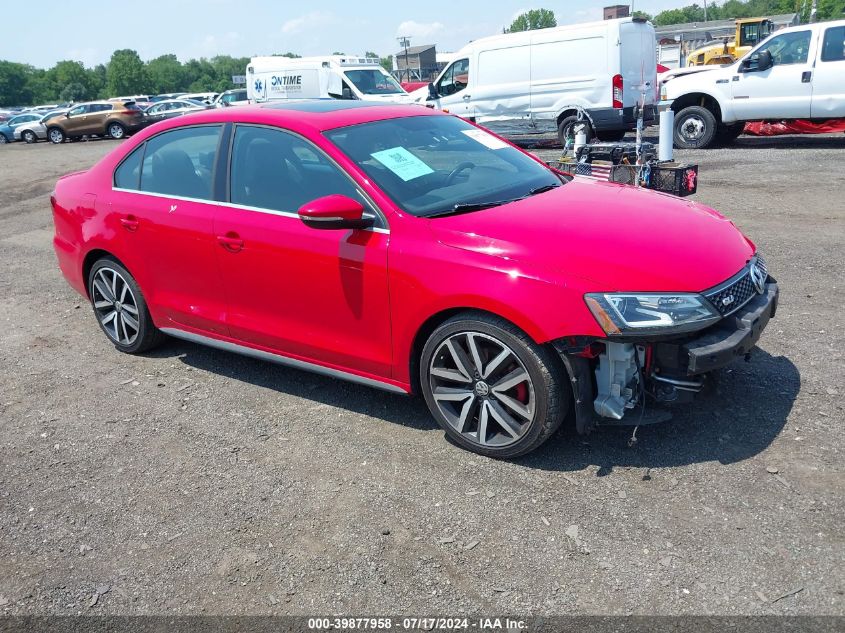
pixel 56 136
pixel 492 389
pixel 29 136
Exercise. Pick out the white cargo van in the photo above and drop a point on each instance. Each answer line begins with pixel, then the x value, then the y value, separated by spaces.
pixel 331 77
pixel 536 81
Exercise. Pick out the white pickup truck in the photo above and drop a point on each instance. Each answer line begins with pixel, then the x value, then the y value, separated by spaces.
pixel 796 73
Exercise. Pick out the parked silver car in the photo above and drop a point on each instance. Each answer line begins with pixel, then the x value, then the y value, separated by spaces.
pixel 34 131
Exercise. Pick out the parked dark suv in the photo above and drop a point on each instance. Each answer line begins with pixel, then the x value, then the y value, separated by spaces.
pixel 102 118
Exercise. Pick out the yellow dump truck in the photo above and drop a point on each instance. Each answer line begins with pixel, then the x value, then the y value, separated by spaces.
pixel 749 32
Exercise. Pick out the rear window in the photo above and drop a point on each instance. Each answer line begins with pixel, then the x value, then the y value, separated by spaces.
pixel 833 47
pixel 175 163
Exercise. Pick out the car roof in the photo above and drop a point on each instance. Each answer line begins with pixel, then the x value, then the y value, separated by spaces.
pixel 316 114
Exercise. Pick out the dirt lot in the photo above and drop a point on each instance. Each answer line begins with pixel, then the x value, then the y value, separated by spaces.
pixel 194 481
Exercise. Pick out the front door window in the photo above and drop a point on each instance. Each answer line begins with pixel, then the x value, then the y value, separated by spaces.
pixel 455 79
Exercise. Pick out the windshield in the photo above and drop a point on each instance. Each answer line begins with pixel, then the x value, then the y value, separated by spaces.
pixel 373 82
pixel 436 165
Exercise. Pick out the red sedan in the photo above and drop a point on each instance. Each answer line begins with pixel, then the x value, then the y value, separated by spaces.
pixel 410 250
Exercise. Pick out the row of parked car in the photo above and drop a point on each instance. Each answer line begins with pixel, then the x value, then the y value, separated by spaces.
pixel 114 118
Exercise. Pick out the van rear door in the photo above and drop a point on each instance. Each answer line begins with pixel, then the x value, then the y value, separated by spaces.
pixel 637 62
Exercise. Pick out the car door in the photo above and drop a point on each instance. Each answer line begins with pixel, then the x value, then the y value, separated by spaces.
pixel 96 118
pixel 452 93
pixel 829 77
pixel 156 113
pixel 75 120
pixel 317 295
pixel 162 205
pixel 783 91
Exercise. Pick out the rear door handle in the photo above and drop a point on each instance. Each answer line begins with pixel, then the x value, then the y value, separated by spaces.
pixel 806 76
pixel 130 223
pixel 232 242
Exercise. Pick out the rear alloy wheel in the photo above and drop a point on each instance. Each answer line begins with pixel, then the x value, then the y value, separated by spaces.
pixel 56 135
pixel 695 128
pixel 490 387
pixel 116 131
pixel 29 137
pixel 120 308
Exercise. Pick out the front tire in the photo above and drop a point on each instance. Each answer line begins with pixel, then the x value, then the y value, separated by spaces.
pixel 491 388
pixel 3 139
pixel 120 308
pixel 29 137
pixel 56 135
pixel 116 131
pixel 695 128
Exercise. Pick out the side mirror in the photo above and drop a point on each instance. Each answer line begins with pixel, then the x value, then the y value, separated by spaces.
pixel 432 92
pixel 335 212
pixel 758 62
pixel 764 60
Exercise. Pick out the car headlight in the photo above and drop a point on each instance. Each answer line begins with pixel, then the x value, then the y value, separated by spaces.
pixel 621 314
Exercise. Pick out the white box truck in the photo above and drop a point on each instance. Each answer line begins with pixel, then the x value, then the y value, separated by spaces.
pixel 537 81
pixel 330 77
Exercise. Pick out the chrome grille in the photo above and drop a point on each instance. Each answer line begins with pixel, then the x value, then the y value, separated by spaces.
pixel 730 296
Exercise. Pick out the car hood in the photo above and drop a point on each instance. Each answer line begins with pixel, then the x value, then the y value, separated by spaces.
pixel 619 237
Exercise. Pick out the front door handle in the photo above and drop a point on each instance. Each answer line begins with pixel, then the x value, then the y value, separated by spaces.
pixel 130 223
pixel 232 242
pixel 467 97
pixel 806 76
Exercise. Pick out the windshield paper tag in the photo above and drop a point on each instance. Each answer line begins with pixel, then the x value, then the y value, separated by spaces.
pixel 402 163
pixel 488 140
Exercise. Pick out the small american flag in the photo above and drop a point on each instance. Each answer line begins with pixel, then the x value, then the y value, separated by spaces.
pixel 596 170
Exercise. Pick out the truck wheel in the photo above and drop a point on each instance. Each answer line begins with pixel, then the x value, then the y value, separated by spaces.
pixel 695 128
pixel 565 129
pixel 490 387
pixel 726 134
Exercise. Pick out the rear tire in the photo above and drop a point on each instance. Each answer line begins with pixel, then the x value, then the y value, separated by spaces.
pixel 56 135
pixel 116 131
pixel 120 308
pixel 491 388
pixel 3 139
pixel 29 137
pixel 695 128
pixel 566 124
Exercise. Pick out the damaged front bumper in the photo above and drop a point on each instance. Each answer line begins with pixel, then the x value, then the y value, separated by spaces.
pixel 610 378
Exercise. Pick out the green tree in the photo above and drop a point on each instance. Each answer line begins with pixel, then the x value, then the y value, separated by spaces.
pixel 288 54
pixel 14 79
pixel 72 78
pixel 643 15
pixel 533 19
pixel 126 74
pixel 166 74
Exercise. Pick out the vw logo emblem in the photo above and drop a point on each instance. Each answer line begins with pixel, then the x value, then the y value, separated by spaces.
pixel 758 278
pixel 481 389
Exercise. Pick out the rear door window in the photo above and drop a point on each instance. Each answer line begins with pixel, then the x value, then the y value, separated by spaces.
pixel 128 173
pixel 180 162
pixel 833 47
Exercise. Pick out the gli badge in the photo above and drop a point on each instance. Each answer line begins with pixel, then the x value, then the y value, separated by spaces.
pixel 758 278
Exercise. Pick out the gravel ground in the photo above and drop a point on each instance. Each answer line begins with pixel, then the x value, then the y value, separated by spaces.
pixel 194 481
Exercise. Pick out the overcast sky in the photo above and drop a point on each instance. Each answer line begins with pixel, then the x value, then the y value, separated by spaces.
pixel 88 31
